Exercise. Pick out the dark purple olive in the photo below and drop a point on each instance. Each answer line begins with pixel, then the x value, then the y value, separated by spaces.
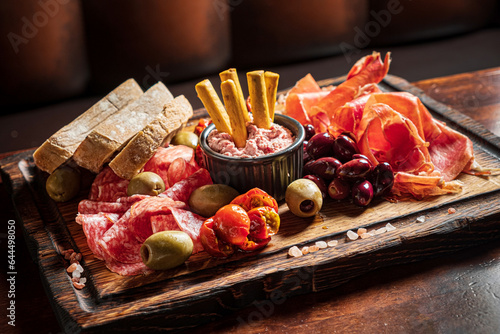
pixel 319 182
pixel 344 148
pixel 361 156
pixel 307 167
pixel 324 167
pixel 309 131
pixel 362 193
pixel 354 170
pixel 320 145
pixel 350 135
pixel 382 179
pixel 339 189
pixel 306 158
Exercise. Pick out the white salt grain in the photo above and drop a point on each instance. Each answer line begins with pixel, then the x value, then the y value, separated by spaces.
pixel 361 231
pixel 83 280
pixel 305 250
pixel 76 274
pixel 381 230
pixel 352 235
pixel 79 268
pixel 421 219
pixel 365 235
pixel 321 244
pixel 333 243
pixel 294 251
pixel 389 227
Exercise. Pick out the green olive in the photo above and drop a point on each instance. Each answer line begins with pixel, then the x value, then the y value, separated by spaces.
pixel 63 184
pixel 166 250
pixel 146 183
pixel 185 138
pixel 206 200
pixel 303 198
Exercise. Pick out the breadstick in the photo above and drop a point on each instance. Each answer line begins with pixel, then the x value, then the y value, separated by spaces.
pixel 257 90
pixel 235 112
pixel 271 79
pixel 231 74
pixel 214 106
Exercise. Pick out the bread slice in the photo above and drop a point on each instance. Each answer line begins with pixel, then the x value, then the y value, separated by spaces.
pixel 115 132
pixel 62 145
pixel 143 145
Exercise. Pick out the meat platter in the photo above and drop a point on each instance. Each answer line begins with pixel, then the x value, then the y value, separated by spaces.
pixel 207 288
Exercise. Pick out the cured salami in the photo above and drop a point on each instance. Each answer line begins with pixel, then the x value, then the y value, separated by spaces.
pixel 181 191
pixel 108 187
pixel 94 226
pixel 163 158
pixel 190 223
pixel 128 269
pixel 91 207
pixel 120 243
pixel 164 223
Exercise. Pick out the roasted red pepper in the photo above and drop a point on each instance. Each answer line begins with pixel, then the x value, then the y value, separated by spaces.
pixel 254 198
pixel 235 226
pixel 213 245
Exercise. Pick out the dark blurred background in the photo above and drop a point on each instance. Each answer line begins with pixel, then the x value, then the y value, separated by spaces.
pixel 58 57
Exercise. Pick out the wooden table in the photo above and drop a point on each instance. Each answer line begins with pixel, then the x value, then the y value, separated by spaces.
pixel 459 293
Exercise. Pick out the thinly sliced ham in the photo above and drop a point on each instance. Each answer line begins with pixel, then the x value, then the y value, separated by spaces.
pixel 422 186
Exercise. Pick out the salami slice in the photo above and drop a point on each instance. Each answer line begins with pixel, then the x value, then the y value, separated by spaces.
pixel 128 269
pixel 181 191
pixel 107 186
pixel 179 170
pixel 92 207
pixel 190 223
pixel 142 211
pixel 163 157
pixel 94 226
pixel 164 223
pixel 120 243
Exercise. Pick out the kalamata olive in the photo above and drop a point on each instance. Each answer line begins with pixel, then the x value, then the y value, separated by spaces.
pixel 307 167
pixel 324 167
pixel 361 156
pixel 354 170
pixel 206 200
pixel 185 138
pixel 319 182
pixel 306 158
pixel 63 184
pixel 362 193
pixel 166 249
pixel 344 147
pixel 382 179
pixel 339 189
pixel 146 183
pixel 320 145
pixel 309 131
pixel 303 198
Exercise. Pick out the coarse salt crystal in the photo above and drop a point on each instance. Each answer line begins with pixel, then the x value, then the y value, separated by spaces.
pixel 294 251
pixel 381 230
pixel 76 274
pixel 362 230
pixel 351 235
pixel 389 227
pixel 305 250
pixel 83 280
pixel 71 268
pixel 332 243
pixel 421 219
pixel 365 235
pixel 79 268
pixel 313 249
pixel 321 244
pixel 451 211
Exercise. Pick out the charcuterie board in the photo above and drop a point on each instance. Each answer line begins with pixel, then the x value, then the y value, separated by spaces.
pixel 205 288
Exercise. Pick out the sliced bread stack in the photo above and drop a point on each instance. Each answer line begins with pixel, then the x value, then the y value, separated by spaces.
pixel 124 129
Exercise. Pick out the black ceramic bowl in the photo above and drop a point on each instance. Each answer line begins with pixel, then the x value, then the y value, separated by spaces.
pixel 271 173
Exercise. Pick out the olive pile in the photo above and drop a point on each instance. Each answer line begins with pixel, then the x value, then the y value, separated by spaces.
pixel 340 171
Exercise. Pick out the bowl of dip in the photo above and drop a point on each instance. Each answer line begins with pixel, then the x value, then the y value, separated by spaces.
pixel 271 159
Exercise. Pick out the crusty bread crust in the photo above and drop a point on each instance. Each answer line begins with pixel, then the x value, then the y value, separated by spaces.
pixel 115 132
pixel 61 145
pixel 144 144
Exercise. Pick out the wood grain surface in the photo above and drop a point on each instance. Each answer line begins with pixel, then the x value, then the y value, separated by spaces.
pixel 207 289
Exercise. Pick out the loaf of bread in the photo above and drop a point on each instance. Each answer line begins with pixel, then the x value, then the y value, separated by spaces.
pixel 144 144
pixel 62 145
pixel 115 132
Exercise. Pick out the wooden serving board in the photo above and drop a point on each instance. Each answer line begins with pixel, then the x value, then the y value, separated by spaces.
pixel 205 289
